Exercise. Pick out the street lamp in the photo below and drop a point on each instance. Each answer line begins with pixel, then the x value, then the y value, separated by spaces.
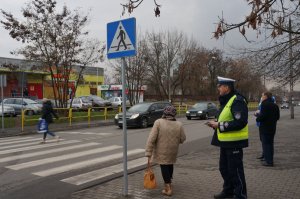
pixel 168 70
pixel 212 73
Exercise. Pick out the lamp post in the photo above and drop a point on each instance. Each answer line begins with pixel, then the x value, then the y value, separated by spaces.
pixel 212 73
pixel 168 70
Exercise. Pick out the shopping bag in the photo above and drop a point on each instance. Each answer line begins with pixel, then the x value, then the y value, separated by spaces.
pixel 42 126
pixel 149 178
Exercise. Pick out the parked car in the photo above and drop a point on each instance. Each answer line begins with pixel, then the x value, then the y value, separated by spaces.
pixel 284 106
pixel 7 110
pixel 202 110
pixel 117 101
pixel 80 103
pixel 96 101
pixel 142 114
pixel 31 107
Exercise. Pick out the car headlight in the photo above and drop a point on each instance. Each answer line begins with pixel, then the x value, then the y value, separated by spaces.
pixel 188 112
pixel 134 116
pixel 200 112
pixel 117 116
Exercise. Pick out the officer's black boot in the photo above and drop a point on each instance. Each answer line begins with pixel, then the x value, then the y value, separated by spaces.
pixel 223 195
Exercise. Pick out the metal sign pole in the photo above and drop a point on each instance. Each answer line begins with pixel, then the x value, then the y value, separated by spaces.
pixel 121 42
pixel 2 84
pixel 125 190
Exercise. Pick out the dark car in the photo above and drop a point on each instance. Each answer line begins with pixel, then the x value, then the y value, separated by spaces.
pixel 96 101
pixel 142 114
pixel 202 110
pixel 284 106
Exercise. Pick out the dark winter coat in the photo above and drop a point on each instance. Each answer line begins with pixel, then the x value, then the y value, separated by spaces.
pixel 48 112
pixel 239 111
pixel 268 116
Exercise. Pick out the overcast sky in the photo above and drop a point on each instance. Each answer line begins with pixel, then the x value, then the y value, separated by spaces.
pixel 196 18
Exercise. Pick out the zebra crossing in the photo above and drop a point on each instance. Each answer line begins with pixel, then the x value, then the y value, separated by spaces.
pixel 26 154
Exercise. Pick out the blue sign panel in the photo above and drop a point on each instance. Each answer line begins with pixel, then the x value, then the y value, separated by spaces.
pixel 121 38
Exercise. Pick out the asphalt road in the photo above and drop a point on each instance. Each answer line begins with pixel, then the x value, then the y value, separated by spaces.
pixel 83 158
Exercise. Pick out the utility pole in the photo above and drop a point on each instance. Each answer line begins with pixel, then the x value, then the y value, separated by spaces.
pixel 291 70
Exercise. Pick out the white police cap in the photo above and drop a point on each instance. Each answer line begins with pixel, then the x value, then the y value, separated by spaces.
pixel 226 81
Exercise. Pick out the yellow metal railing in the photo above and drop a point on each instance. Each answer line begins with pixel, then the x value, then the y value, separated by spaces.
pixel 102 112
pixel 69 114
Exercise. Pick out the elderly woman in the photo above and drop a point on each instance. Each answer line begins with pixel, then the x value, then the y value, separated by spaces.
pixel 163 143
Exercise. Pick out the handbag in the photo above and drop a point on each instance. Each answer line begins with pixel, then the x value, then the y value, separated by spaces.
pixel 149 178
pixel 42 126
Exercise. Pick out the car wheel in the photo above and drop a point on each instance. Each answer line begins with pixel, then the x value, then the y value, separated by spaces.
pixel 144 123
pixel 120 126
pixel 189 118
pixel 30 113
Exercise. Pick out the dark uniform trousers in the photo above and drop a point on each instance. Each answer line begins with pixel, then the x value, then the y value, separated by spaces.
pixel 232 171
pixel 268 146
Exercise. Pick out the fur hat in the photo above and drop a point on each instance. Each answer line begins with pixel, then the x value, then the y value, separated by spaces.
pixel 170 111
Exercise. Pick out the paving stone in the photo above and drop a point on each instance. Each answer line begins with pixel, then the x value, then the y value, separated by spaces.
pixel 196 175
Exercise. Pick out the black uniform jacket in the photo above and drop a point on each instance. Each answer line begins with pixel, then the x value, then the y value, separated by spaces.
pixel 239 111
pixel 47 112
pixel 268 116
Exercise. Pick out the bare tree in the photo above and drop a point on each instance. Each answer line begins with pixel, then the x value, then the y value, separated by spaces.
pixel 136 72
pixel 164 50
pixel 186 57
pixel 264 14
pixel 56 39
pixel 130 5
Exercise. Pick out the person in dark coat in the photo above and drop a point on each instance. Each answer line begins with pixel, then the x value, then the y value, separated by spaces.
pixel 25 92
pixel 47 114
pixel 267 117
pixel 231 135
pixel 261 157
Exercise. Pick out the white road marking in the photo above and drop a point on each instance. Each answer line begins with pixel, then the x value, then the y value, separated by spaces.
pixel 19 141
pixel 62 157
pixel 38 146
pixel 24 144
pixel 8 139
pixel 86 163
pixel 101 173
pixel 28 155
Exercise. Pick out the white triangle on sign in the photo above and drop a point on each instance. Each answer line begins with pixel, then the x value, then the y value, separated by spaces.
pixel 121 42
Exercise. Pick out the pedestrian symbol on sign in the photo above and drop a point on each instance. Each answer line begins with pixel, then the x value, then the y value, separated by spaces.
pixel 121 41
pixel 122 36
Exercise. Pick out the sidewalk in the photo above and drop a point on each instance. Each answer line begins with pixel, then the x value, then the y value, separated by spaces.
pixel 196 175
pixel 54 127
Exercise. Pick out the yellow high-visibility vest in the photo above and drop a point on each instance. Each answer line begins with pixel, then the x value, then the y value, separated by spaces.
pixel 226 116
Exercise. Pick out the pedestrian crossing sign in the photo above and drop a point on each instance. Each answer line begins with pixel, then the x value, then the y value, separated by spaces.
pixel 121 38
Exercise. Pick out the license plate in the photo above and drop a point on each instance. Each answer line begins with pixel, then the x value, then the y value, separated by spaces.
pixel 121 122
pixel 193 114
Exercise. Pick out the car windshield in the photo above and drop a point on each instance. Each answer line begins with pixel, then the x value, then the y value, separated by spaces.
pixel 28 101
pixel 199 106
pixel 96 98
pixel 85 100
pixel 138 108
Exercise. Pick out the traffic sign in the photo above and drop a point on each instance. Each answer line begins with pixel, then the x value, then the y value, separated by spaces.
pixel 121 38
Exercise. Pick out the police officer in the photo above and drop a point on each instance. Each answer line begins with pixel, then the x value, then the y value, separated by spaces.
pixel 231 135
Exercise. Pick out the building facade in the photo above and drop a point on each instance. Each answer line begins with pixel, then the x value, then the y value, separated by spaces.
pixel 31 79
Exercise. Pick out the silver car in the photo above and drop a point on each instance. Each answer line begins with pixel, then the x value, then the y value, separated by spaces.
pixel 7 110
pixel 31 107
pixel 117 101
pixel 80 103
